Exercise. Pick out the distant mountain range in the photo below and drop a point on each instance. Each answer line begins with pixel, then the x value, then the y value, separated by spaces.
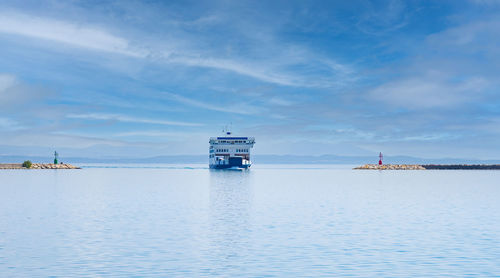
pixel 258 159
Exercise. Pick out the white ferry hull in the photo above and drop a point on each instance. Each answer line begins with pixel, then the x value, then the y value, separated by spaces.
pixel 229 167
pixel 229 152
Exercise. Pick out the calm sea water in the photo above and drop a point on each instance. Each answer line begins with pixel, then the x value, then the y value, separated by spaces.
pixel 274 221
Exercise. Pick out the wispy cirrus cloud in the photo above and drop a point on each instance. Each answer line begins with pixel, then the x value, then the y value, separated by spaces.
pixel 60 139
pixel 6 81
pixel 97 38
pixel 222 107
pixel 128 119
pixel 382 72
pixel 421 93
pixel 160 133
pixel 9 124
pixel 65 32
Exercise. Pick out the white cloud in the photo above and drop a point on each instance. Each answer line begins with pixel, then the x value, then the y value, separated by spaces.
pixel 237 108
pixel 16 94
pixel 486 2
pixel 64 32
pixel 8 124
pixel 260 73
pixel 187 53
pixel 27 138
pixel 6 81
pixel 383 18
pixel 478 35
pixel 127 119
pixel 415 93
pixel 158 133
pixel 280 101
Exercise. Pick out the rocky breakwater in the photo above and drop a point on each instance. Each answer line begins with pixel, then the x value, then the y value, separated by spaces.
pixel 38 166
pixel 390 167
pixel 53 166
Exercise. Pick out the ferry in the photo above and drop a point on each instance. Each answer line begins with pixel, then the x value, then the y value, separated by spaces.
pixel 228 152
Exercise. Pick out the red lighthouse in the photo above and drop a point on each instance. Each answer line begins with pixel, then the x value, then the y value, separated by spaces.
pixel 380 160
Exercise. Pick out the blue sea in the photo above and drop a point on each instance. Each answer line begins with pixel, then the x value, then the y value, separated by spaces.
pixel 271 221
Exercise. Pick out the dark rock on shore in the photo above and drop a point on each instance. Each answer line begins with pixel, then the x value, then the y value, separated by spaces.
pixel 462 167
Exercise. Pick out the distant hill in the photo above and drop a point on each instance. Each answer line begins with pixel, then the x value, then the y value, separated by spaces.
pixel 259 159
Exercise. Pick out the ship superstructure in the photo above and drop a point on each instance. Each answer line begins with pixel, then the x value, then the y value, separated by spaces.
pixel 230 152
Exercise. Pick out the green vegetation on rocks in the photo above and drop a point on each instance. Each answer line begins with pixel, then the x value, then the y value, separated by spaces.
pixel 27 164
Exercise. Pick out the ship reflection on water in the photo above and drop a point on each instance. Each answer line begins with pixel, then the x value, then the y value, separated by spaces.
pixel 229 216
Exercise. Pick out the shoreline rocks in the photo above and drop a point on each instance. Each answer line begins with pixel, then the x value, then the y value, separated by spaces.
pixel 429 167
pixel 390 167
pixel 38 166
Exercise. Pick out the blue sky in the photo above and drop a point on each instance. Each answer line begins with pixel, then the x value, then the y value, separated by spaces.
pixel 147 78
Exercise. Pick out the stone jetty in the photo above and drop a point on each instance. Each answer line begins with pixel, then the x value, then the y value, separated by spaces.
pixel 390 167
pixel 38 166
pixel 429 167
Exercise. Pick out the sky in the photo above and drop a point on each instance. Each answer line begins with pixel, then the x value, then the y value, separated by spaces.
pixel 154 78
